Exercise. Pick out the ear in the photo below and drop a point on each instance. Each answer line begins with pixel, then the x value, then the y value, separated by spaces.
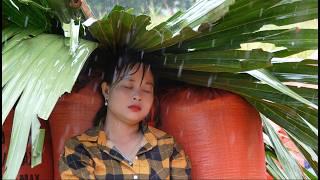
pixel 105 90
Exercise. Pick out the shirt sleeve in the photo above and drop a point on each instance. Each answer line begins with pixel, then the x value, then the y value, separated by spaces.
pixel 75 162
pixel 180 165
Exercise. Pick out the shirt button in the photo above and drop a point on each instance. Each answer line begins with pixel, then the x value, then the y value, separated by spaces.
pixel 136 157
pixel 135 177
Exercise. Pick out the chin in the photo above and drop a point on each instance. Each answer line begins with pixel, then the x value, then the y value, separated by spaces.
pixel 135 119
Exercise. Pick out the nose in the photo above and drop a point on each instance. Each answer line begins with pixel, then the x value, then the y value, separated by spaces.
pixel 136 97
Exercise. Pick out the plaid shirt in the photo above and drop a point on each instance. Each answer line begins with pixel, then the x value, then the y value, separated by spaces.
pixel 91 156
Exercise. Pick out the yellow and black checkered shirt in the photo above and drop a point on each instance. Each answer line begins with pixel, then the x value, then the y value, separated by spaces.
pixel 91 156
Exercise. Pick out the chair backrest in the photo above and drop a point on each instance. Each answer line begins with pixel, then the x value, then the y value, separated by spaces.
pixel 220 131
pixel 73 115
pixel 41 171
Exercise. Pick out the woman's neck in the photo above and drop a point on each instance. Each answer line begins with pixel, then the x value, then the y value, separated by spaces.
pixel 120 132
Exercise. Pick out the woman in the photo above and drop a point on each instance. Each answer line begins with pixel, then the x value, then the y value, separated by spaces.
pixel 122 145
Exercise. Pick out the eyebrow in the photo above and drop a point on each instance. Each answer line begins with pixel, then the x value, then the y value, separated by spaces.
pixel 149 83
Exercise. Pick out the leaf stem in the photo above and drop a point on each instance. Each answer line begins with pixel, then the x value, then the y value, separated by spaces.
pixel 34 4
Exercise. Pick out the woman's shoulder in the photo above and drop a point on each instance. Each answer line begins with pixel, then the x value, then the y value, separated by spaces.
pixel 166 141
pixel 89 136
pixel 159 134
pixel 162 136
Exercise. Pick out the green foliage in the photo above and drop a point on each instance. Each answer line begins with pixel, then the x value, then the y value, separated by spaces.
pixel 199 46
pixel 46 70
pixel 290 166
pixel 27 15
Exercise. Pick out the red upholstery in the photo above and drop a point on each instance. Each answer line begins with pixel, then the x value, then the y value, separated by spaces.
pixel 219 130
pixel 41 171
pixel 72 115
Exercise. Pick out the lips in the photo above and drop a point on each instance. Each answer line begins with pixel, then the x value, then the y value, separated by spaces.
pixel 134 108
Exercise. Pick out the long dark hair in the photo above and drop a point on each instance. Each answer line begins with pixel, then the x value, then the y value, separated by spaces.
pixel 118 66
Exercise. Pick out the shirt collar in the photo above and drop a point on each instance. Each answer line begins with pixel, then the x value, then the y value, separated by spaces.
pixel 98 135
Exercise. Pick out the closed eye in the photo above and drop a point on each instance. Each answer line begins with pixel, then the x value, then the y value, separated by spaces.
pixel 146 91
pixel 128 87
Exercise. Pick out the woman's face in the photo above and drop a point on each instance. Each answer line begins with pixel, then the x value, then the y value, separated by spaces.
pixel 130 99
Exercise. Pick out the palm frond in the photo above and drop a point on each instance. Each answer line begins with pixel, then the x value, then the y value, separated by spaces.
pixel 37 71
pixel 25 14
pixel 202 48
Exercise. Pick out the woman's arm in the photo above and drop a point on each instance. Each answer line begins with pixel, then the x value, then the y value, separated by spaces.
pixel 75 162
pixel 180 165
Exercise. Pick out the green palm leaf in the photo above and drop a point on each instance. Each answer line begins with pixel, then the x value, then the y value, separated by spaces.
pixel 308 153
pixel 290 167
pixel 27 13
pixel 219 61
pixel 45 72
pixel 17 34
pixel 200 48
pixel 273 154
pixel 293 39
pixel 304 71
pixel 261 96
pixel 119 27
pixel 274 168
pixel 239 25
pixel 265 77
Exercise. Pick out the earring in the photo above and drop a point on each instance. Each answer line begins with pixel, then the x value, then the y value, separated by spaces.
pixel 106 101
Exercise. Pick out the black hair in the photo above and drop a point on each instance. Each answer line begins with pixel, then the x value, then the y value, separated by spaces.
pixel 117 66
